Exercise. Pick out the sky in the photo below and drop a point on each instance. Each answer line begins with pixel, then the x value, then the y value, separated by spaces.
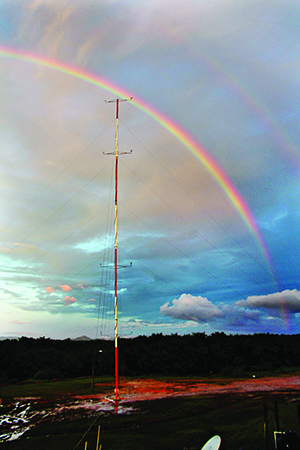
pixel 209 198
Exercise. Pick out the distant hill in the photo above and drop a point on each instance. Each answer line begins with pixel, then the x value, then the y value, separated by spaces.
pixel 82 338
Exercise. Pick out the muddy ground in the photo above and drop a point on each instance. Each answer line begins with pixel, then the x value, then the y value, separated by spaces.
pixel 18 415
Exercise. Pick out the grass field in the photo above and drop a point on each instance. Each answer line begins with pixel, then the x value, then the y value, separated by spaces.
pixel 165 423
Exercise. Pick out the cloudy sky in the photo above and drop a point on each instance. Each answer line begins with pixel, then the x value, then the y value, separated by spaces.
pixel 224 74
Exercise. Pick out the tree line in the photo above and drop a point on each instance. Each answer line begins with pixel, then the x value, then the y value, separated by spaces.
pixel 171 355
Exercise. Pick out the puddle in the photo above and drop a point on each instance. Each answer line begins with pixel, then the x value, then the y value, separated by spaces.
pixel 23 414
pixel 15 423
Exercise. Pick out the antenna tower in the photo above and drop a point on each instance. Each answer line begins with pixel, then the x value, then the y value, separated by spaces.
pixel 116 154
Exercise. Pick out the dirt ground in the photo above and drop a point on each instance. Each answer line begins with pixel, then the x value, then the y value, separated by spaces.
pixel 148 389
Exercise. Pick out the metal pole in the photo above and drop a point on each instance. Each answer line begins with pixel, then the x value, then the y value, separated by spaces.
pixel 298 410
pixel 266 426
pixel 276 416
pixel 93 371
pixel 98 439
pixel 116 248
pixel 116 237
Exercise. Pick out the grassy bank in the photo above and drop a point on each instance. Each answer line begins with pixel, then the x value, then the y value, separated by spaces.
pixel 30 388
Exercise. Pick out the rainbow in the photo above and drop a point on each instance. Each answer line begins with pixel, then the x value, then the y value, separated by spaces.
pixel 198 150
pixel 182 135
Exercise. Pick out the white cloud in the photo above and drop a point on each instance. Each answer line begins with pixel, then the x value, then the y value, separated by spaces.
pixel 288 300
pixel 231 318
pixel 188 307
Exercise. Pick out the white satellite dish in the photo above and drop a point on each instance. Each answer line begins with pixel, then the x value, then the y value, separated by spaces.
pixel 213 443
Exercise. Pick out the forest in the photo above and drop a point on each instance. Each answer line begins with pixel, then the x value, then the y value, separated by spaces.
pixel 198 354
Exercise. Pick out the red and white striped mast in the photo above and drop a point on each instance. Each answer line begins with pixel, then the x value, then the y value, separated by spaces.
pixel 116 153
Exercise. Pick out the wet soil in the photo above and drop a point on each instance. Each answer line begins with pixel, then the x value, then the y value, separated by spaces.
pixel 149 389
pixel 18 415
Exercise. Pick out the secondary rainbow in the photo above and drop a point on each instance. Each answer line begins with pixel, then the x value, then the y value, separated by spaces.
pixel 198 150
pixel 282 140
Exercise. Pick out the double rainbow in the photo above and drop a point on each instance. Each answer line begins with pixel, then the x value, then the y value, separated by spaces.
pixel 182 135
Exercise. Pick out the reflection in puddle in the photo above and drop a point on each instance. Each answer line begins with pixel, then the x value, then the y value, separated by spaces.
pixel 15 423
pixel 23 414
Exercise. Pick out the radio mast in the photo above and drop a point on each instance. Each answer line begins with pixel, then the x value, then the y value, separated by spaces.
pixel 116 154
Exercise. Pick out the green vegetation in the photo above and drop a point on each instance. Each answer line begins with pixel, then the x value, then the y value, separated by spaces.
pixel 78 386
pixel 191 355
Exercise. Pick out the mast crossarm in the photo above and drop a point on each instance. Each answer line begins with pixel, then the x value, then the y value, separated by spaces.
pixel 119 153
pixel 119 100
pixel 119 266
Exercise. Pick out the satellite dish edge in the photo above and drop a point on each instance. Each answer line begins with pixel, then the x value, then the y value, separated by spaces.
pixel 213 444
